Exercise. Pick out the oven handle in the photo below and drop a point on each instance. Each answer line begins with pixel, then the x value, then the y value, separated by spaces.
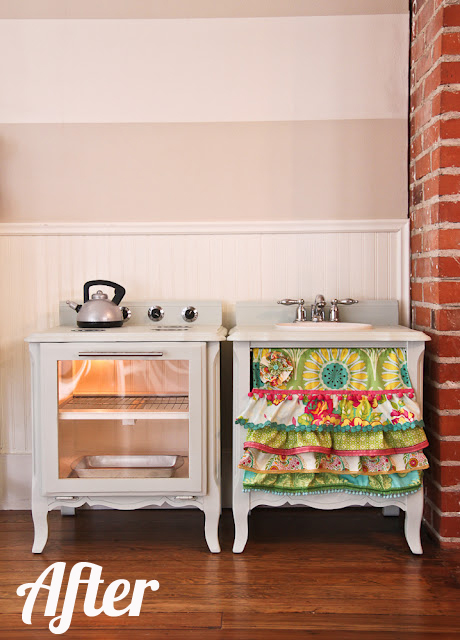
pixel 122 354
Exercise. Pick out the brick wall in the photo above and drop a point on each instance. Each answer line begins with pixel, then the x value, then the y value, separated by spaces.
pixel 435 244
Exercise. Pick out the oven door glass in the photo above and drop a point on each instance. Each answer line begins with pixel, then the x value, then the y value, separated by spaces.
pixel 132 419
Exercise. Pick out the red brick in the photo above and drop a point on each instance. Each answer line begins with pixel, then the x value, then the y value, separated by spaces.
pixel 449 185
pixel 424 267
pixel 445 475
pixel 451 16
pixel 425 14
pixel 447 526
pixel 417 195
pixel 448 156
pixel 449 44
pixel 431 135
pixel 447 212
pixel 421 217
pixel 434 26
pixel 443 372
pixel 416 146
pixel 444 450
pixel 416 290
pixel 447 320
pixel 450 129
pixel 444 399
pixel 422 317
pixel 417 47
pixel 450 72
pixel 422 115
pixel 442 345
pixel 423 65
pixel 448 267
pixel 431 187
pixel 432 81
pixel 443 425
pixel 440 239
pixel 444 102
pixel 423 166
pixel 444 500
pixel 416 98
pixel 442 292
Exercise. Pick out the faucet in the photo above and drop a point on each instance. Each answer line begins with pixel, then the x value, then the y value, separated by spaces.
pixel 317 309
pixel 301 312
pixel 334 313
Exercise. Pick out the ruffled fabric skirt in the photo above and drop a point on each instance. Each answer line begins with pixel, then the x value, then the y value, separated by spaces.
pixel 299 440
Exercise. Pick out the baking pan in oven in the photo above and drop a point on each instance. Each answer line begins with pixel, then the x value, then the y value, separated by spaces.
pixel 127 466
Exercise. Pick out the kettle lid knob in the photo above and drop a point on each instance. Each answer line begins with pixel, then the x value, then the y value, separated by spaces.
pixel 99 295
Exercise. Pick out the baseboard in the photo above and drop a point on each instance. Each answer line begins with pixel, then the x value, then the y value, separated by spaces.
pixel 15 481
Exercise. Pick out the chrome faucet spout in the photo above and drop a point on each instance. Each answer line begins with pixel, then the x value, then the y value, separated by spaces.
pixel 317 309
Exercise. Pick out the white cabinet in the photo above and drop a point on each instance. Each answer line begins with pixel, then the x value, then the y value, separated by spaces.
pixel 126 425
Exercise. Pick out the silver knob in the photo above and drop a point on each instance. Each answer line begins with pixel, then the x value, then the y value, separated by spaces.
pixel 190 314
pixel 156 313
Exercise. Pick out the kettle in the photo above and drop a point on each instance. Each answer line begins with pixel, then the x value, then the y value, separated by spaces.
pixel 100 312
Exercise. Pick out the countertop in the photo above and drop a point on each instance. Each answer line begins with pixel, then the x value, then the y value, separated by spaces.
pixel 269 333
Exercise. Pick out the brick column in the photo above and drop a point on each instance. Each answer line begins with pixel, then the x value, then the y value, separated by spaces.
pixel 435 246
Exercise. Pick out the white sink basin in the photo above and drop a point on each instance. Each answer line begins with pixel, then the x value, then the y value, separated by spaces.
pixel 323 326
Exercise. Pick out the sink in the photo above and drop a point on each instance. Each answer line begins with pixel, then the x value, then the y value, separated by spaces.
pixel 323 326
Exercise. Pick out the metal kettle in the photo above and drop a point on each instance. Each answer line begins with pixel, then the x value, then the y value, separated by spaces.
pixel 100 312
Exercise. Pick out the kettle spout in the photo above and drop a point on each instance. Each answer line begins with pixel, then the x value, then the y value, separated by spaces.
pixel 73 305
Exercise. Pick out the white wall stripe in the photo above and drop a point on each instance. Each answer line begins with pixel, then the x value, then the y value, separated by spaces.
pixel 204 70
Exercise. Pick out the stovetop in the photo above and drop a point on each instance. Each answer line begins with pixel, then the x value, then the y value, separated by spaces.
pixel 170 326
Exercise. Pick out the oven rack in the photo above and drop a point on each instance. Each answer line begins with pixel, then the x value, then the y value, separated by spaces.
pixel 136 407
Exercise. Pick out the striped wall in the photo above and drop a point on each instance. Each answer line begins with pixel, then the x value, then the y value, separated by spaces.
pixel 111 115
pixel 229 150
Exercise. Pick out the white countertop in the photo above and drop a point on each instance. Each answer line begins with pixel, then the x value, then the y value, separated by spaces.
pixel 270 333
pixel 130 333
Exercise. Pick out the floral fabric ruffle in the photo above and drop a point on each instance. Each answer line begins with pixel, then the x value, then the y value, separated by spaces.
pixel 268 462
pixel 321 419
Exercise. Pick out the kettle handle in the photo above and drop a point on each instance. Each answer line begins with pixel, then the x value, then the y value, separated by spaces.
pixel 119 290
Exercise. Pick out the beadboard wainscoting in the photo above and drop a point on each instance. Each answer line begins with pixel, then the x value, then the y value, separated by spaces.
pixel 42 264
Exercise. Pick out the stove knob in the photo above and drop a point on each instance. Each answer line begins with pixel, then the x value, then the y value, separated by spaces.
pixel 156 313
pixel 190 314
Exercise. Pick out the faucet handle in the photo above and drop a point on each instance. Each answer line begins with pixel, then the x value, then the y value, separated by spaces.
pixel 290 301
pixel 345 301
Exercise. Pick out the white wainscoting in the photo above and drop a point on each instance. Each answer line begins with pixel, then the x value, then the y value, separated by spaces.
pixel 42 264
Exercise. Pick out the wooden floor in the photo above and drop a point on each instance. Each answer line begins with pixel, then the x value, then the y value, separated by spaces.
pixel 305 573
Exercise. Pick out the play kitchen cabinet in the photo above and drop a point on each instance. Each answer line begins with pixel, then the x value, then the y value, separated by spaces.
pixel 127 417
pixel 334 413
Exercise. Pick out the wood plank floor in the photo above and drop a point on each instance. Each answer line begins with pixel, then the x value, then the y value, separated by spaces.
pixel 304 573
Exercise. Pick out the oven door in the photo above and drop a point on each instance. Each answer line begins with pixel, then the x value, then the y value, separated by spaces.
pixel 123 418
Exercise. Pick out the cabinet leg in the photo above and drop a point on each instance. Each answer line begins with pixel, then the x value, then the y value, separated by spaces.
pixel 413 521
pixel 211 525
pixel 240 517
pixel 40 518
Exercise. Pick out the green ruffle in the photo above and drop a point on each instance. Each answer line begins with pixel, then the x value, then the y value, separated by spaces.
pixel 331 428
pixel 390 485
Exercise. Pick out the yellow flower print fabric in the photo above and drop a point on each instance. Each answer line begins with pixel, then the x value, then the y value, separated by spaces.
pixel 331 369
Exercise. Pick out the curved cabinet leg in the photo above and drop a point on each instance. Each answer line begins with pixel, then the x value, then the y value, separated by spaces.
pixel 240 517
pixel 40 518
pixel 211 510
pixel 413 521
